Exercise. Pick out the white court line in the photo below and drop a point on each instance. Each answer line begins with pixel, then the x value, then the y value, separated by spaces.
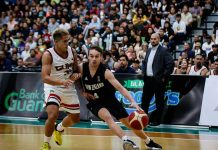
pixel 104 136
pixel 204 133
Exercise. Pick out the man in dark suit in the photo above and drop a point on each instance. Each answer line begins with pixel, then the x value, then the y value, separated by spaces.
pixel 157 66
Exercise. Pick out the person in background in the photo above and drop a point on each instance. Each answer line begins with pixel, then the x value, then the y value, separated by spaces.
pixel 157 67
pixel 198 68
pixel 124 67
pixel 215 70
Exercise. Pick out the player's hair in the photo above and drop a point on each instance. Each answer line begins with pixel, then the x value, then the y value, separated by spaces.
pixel 97 48
pixel 59 33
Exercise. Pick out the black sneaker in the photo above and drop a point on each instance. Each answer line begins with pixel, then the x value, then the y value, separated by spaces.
pixel 152 145
pixel 129 145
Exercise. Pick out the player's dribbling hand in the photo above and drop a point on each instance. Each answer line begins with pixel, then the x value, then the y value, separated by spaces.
pixel 75 76
pixel 67 83
pixel 88 96
pixel 135 105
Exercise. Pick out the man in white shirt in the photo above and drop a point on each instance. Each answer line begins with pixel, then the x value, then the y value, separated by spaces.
pixel 179 28
pixel 64 24
pixel 207 46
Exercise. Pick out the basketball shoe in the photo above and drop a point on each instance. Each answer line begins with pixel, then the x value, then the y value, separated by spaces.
pixel 129 145
pixel 45 146
pixel 153 146
pixel 58 135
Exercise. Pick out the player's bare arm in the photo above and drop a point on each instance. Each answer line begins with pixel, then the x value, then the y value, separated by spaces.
pixel 46 70
pixel 110 77
pixel 79 84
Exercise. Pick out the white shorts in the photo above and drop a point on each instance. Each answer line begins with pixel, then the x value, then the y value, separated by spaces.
pixel 68 102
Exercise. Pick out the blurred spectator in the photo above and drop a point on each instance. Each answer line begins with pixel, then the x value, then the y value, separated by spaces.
pixel 26 53
pixel 186 16
pixel 198 68
pixel 187 49
pixel 136 66
pixel 182 67
pixel 207 46
pixel 52 24
pixel 64 25
pixel 198 50
pixel 172 15
pixel 5 64
pixel 179 28
pixel 215 70
pixel 74 29
pixel 213 55
pixel 124 67
pixel 215 33
pixel 108 60
pixel 139 19
pixel 20 66
pixel 197 14
pixel 31 61
pixel 11 23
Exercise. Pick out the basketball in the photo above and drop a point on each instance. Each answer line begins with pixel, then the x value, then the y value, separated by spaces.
pixel 138 120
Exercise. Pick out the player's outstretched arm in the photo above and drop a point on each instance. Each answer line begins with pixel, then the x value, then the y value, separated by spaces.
pixel 110 77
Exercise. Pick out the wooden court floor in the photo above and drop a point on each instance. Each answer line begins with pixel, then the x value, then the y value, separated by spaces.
pixel 30 137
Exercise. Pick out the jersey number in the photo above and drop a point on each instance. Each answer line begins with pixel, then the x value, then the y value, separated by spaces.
pixel 96 95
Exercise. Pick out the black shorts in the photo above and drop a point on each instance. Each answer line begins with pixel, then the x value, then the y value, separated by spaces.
pixel 113 106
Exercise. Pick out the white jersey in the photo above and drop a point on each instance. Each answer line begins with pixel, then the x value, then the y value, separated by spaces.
pixel 61 69
pixel 193 70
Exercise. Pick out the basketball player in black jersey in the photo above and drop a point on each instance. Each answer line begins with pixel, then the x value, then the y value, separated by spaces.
pixel 99 86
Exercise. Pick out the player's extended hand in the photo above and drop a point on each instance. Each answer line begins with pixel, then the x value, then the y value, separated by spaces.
pixel 88 96
pixel 135 105
pixel 67 83
pixel 75 76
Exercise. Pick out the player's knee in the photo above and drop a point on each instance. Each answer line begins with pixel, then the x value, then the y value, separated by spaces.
pixel 52 117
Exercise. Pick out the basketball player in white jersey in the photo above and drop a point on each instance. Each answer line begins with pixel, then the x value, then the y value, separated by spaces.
pixel 197 68
pixel 58 65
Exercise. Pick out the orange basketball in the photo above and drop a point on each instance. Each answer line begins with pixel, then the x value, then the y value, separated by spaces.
pixel 138 120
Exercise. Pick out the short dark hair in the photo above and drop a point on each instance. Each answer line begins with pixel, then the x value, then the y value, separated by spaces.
pixel 178 15
pixel 97 48
pixel 124 56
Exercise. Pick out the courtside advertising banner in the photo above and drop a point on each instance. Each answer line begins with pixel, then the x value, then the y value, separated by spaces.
pixel 183 97
pixel 209 110
pixel 21 95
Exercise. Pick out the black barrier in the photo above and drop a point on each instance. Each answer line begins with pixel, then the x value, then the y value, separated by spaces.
pixel 21 95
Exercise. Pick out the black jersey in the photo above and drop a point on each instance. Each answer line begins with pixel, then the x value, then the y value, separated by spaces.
pixel 97 85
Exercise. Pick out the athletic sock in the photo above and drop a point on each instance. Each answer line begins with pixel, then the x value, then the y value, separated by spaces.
pixel 47 139
pixel 147 141
pixel 60 127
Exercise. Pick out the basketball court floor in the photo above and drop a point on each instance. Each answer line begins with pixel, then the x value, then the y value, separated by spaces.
pixel 27 134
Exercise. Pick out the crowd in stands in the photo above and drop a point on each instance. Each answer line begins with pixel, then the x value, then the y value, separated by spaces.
pixel 121 27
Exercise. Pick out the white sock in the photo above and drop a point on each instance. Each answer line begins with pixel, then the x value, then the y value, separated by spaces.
pixel 60 127
pixel 124 138
pixel 47 139
pixel 147 141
